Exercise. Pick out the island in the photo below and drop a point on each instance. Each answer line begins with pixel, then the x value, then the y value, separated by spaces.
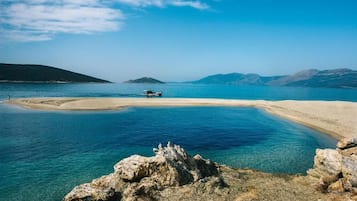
pixel 28 73
pixel 145 80
pixel 336 78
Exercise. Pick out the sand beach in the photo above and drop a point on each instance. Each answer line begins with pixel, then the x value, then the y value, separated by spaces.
pixel 335 118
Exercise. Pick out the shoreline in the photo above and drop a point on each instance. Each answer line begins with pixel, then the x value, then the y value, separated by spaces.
pixel 334 118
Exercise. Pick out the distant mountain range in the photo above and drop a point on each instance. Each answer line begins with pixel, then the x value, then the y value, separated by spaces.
pixel 146 80
pixel 337 78
pixel 41 73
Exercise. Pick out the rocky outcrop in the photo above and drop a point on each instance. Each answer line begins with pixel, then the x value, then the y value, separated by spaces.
pixel 336 169
pixel 346 143
pixel 172 174
pixel 139 178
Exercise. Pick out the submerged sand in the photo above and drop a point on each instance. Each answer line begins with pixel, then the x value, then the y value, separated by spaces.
pixel 336 118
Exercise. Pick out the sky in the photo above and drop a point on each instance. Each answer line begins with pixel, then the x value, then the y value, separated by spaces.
pixel 179 40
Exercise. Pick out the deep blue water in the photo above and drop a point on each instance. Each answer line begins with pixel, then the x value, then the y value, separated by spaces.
pixel 44 154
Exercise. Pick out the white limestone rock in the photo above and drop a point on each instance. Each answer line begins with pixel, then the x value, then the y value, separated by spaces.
pixel 349 169
pixel 327 164
pixel 138 177
pixel 336 168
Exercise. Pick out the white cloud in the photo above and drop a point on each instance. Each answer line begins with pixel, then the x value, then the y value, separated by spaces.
pixel 38 20
pixel 193 4
pixel 24 36
pixel 143 3
pixel 163 3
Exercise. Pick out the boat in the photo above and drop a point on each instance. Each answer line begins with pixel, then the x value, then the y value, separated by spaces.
pixel 149 93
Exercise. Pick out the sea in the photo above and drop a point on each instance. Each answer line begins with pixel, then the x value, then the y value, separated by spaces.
pixel 44 154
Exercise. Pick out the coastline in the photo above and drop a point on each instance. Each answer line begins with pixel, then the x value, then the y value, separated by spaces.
pixel 335 118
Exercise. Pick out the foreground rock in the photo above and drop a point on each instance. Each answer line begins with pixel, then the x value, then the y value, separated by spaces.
pixel 336 169
pixel 172 174
pixel 140 178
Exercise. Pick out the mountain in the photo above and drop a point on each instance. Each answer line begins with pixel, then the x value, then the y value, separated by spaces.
pixel 337 78
pixel 237 79
pixel 299 76
pixel 145 80
pixel 41 73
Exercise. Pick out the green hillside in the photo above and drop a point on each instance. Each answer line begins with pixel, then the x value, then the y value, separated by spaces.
pixel 145 80
pixel 41 73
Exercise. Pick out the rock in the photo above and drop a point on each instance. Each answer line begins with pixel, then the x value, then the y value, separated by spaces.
pixel 204 167
pixel 172 152
pixel 354 191
pixel 139 178
pixel 336 187
pixel 336 169
pixel 140 191
pixel 327 165
pixel 172 174
pixel 133 168
pixel 89 192
pixel 346 143
pixel 349 152
pixel 349 169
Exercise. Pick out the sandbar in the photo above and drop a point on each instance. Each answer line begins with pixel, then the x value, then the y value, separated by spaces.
pixel 335 118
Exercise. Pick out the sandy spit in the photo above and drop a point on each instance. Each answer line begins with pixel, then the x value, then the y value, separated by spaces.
pixel 336 118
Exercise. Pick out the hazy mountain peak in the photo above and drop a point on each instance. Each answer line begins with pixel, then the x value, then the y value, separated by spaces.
pixel 342 77
pixel 306 73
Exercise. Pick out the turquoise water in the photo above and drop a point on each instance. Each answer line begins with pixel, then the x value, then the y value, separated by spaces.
pixel 177 90
pixel 43 154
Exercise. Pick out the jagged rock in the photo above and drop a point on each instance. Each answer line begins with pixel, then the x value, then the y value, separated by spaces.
pixel 173 153
pixel 99 189
pixel 349 169
pixel 174 175
pixel 204 167
pixel 336 169
pixel 336 187
pixel 90 192
pixel 144 191
pixel 349 152
pixel 327 165
pixel 133 168
pixel 346 143
pixel 139 178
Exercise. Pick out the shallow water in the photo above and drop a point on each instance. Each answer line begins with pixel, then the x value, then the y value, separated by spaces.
pixel 43 154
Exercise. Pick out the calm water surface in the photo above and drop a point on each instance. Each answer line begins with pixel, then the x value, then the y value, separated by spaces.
pixel 44 154
pixel 177 90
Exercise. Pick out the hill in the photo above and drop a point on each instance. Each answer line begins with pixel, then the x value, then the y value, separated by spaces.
pixel 338 78
pixel 41 73
pixel 237 79
pixel 145 80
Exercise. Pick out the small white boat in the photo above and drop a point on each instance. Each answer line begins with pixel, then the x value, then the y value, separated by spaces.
pixel 149 93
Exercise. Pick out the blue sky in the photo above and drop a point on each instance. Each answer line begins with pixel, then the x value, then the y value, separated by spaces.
pixel 179 40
